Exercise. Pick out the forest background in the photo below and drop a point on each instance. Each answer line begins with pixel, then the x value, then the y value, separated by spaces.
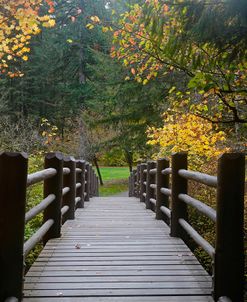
pixel 117 82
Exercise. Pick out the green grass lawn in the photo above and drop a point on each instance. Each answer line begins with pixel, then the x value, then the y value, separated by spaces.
pixel 115 180
pixel 112 173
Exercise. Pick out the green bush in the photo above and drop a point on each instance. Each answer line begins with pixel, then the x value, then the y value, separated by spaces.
pixel 114 157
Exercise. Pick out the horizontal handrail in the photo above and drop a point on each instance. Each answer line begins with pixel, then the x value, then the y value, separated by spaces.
pixel 78 185
pixel 11 299
pixel 207 247
pixel 78 170
pixel 65 190
pixel 39 208
pixel 145 171
pixel 200 206
pixel 66 171
pixel 166 211
pixel 165 191
pixel 40 176
pixel 153 186
pixel 77 199
pixel 64 210
pixel 166 171
pixel 153 201
pixel 37 237
pixel 152 171
pixel 224 299
pixel 199 177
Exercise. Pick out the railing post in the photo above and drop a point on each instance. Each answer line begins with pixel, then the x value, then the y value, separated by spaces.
pixel 161 181
pixel 143 178
pixel 69 180
pixel 94 184
pixel 54 186
pixel 138 180
pixel 13 183
pixel 81 179
pixel 87 183
pixel 91 181
pixel 150 180
pixel 229 251
pixel 179 185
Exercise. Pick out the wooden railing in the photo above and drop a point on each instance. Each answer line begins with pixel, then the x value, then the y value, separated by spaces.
pixel 151 183
pixel 68 183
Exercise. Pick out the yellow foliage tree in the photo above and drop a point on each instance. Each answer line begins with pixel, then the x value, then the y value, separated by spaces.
pixel 19 21
pixel 187 132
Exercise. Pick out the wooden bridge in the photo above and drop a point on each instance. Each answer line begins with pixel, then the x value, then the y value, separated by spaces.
pixel 120 248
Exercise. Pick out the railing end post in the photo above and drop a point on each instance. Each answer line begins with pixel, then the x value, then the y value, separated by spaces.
pixel 13 180
pixel 229 251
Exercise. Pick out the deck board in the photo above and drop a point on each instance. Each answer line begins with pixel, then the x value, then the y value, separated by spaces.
pixel 115 250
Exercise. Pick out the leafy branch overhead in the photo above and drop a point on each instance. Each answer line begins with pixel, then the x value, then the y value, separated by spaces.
pixel 162 38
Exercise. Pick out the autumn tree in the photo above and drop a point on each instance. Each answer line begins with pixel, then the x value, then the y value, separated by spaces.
pixel 188 133
pixel 20 20
pixel 54 84
pixel 161 38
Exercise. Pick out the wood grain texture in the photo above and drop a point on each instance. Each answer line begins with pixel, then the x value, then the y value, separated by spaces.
pixel 115 250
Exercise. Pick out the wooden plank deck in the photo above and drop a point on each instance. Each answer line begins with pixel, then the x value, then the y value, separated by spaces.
pixel 115 250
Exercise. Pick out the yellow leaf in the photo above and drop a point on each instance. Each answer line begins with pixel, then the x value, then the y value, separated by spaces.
pixel 52 22
pixel 95 19
pixel 105 29
pixel 89 26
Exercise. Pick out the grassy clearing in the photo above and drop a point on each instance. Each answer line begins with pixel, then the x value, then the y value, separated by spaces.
pixel 112 173
pixel 115 180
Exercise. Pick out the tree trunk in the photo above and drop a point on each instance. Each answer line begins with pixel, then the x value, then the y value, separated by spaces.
pixel 95 160
pixel 129 159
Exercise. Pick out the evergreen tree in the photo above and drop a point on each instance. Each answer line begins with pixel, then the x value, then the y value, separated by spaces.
pixel 124 107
